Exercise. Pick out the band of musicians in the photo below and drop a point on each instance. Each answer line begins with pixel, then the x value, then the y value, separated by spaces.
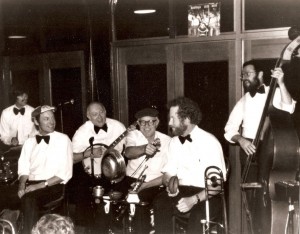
pixel 115 179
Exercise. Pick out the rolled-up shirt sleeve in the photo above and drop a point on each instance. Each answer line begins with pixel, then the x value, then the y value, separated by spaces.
pixel 282 106
pixel 65 168
pixel 24 159
pixel 171 165
pixel 43 161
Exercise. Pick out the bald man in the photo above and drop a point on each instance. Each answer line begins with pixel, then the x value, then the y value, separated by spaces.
pixel 98 129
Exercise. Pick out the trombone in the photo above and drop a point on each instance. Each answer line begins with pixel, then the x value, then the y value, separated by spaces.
pixel 214 185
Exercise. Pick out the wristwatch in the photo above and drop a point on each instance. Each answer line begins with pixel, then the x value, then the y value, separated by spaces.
pixel 198 198
pixel 46 183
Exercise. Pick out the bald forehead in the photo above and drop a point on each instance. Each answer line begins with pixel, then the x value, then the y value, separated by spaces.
pixel 95 106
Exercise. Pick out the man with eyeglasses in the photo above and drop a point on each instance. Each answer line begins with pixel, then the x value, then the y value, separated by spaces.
pixel 146 150
pixel 248 110
pixel 244 119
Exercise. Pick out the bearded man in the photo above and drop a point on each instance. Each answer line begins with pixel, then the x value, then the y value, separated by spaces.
pixel 191 151
pixel 248 110
pixel 243 122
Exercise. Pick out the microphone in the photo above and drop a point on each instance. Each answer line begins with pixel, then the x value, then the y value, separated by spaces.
pixel 91 140
pixel 71 101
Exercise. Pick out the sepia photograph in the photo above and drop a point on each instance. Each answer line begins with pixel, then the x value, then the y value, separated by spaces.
pixel 149 116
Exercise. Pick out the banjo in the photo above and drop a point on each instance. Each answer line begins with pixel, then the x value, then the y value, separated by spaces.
pixel 91 165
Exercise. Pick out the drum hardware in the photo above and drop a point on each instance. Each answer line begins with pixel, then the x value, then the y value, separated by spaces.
pixel 113 167
pixel 98 192
pixel 97 161
pixel 214 186
pixel 289 191
pixel 132 199
pixel 6 174
pixel 6 226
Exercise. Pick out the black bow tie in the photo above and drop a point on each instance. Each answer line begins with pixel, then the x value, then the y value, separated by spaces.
pixel 183 139
pixel 39 138
pixel 17 111
pixel 261 89
pixel 97 129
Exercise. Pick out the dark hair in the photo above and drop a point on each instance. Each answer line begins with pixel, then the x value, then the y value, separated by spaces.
pixel 17 92
pixel 254 63
pixel 187 109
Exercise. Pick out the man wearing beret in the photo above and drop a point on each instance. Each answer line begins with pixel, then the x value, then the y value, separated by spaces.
pixel 146 152
pixel 44 166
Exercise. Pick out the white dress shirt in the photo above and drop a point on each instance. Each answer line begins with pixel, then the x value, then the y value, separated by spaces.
pixel 189 160
pixel 43 161
pixel 155 164
pixel 12 125
pixel 86 131
pixel 247 113
pixel 81 137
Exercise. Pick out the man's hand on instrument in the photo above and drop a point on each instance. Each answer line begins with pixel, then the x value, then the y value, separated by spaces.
pixel 14 141
pixel 247 146
pixel 157 143
pixel 98 152
pixel 141 187
pixel 278 74
pixel 150 150
pixel 186 203
pixel 131 128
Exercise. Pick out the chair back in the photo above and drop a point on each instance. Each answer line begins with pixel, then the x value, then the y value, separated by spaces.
pixel 54 204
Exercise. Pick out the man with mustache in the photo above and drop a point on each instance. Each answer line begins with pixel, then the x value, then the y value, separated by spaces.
pixel 248 110
pixel 245 117
pixel 191 151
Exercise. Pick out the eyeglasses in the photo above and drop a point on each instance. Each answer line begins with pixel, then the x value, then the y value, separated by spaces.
pixel 148 122
pixel 247 74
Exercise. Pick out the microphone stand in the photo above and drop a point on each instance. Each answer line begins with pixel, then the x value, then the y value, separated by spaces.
pixel 91 140
pixel 60 106
pixel 61 118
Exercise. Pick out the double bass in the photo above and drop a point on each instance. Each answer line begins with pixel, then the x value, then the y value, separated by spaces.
pixel 278 157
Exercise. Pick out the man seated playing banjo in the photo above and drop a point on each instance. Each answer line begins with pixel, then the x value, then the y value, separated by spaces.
pixel 100 131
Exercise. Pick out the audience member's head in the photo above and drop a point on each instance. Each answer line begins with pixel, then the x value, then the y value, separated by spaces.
pixel 53 224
